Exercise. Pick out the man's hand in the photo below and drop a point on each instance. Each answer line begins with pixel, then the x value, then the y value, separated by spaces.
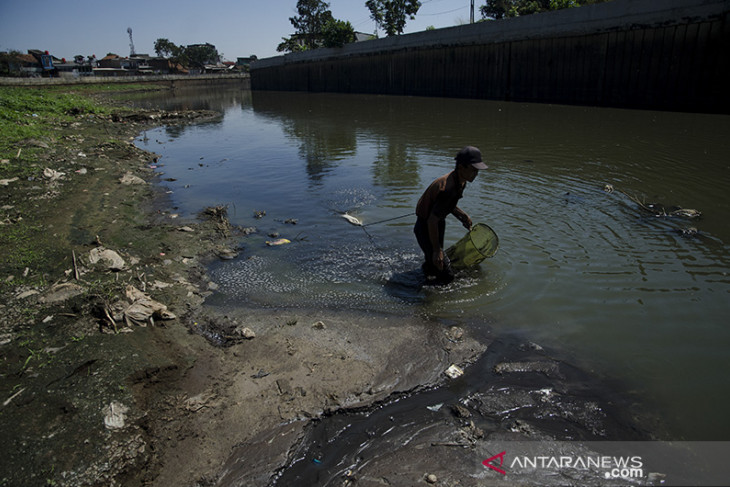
pixel 466 221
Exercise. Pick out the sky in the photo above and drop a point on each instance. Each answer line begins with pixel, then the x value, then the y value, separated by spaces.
pixel 238 28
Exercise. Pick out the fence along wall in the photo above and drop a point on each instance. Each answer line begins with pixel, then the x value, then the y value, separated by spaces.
pixel 649 54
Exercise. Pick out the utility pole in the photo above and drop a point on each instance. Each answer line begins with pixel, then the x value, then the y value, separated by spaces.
pixel 471 13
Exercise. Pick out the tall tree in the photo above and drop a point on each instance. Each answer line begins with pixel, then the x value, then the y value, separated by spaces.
pixel 499 9
pixel 310 23
pixel 198 55
pixel 163 47
pixel 337 33
pixel 390 15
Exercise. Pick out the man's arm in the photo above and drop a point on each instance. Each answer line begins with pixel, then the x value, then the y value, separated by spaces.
pixel 462 217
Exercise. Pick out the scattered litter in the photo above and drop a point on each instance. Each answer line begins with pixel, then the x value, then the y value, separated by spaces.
pixel 186 229
pixel 291 221
pixel 114 415
pixel 280 241
pixel 454 333
pixel 319 325
pixel 47 319
pixel 61 292
pixel 27 294
pixel 5 182
pixel 259 214
pixel 7 401
pixel 260 374
pixel 199 401
pixel 246 333
pixel 435 407
pixel 52 174
pixel 144 308
pixel 129 179
pixel 454 371
pixel 113 260
pixel 226 253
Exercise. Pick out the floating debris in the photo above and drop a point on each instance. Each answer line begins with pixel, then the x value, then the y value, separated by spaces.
pixel 291 221
pixel 259 214
pixel 279 241
pixel 351 219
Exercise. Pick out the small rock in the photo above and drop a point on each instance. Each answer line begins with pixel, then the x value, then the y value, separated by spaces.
pixel 431 478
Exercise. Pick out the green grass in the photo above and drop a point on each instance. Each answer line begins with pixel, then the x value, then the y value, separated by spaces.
pixel 29 113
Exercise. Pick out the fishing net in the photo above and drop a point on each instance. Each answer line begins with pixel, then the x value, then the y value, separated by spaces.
pixel 478 244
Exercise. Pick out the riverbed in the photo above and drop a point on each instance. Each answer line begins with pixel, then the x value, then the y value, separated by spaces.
pixel 636 297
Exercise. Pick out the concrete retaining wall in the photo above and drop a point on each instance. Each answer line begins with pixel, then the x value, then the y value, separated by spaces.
pixel 668 55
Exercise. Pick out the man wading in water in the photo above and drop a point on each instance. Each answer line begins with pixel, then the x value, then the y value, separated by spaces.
pixel 438 201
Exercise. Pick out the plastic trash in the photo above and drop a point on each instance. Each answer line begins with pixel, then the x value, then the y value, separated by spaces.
pixel 478 244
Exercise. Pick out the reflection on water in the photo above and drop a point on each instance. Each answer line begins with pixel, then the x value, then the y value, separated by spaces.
pixel 624 292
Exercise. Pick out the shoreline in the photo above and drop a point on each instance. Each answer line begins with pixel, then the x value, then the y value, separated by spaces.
pixel 89 399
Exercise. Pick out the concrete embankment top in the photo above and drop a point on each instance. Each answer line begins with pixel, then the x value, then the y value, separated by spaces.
pixel 613 15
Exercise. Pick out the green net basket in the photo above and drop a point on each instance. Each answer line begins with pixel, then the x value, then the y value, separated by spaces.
pixel 478 244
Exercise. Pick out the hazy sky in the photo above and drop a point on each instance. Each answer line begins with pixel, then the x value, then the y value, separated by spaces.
pixel 237 28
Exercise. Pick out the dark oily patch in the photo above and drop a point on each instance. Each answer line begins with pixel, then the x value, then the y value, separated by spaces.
pixel 445 432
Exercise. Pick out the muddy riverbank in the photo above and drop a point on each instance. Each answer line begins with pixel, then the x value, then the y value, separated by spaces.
pixel 114 372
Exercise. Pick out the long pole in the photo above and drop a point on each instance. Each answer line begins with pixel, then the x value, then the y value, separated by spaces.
pixel 471 15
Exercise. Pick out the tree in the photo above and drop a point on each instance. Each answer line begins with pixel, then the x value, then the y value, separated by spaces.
pixel 310 23
pixel 499 9
pixel 316 27
pixel 391 15
pixel 337 33
pixel 198 55
pixel 165 48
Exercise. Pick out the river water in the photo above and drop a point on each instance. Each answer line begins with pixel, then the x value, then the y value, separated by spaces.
pixel 623 293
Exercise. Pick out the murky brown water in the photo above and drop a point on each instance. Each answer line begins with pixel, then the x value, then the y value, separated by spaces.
pixel 623 292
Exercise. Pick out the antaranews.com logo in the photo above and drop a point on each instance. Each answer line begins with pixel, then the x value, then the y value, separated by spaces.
pixel 610 467
pixel 666 463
